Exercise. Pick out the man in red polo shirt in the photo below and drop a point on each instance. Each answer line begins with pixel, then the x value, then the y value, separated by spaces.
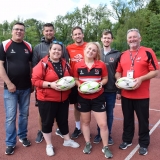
pixel 76 54
pixel 141 64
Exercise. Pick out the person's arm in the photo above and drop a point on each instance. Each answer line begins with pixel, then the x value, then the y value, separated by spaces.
pixel 35 57
pixel 11 87
pixel 148 76
pixel 104 80
pixel 118 75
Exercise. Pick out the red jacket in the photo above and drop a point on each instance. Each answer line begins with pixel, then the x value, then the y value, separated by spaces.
pixel 44 71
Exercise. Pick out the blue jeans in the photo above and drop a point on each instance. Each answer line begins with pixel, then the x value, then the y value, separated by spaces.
pixel 19 99
pixel 110 99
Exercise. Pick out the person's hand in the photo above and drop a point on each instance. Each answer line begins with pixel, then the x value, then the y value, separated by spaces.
pixel 118 96
pixel 116 83
pixel 138 83
pixel 11 87
pixel 55 86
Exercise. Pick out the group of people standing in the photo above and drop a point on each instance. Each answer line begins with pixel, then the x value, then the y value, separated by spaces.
pixel 21 69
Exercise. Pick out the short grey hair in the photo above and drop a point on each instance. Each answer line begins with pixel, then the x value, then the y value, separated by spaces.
pixel 134 29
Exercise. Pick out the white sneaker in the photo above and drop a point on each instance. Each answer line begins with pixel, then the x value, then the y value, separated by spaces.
pixel 71 143
pixel 49 150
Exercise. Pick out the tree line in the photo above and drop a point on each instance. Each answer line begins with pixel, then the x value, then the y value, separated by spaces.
pixel 123 15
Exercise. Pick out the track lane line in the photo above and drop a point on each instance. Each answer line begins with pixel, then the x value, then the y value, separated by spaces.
pixel 137 147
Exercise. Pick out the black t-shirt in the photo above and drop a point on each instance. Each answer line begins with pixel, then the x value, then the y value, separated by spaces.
pixel 16 57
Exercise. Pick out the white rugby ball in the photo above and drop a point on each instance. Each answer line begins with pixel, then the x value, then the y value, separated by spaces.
pixel 66 83
pixel 126 83
pixel 89 87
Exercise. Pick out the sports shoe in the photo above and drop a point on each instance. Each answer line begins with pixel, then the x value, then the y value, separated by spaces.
pixel 71 143
pixel 87 148
pixel 97 139
pixel 49 150
pixel 124 145
pixel 76 133
pixel 58 133
pixel 143 151
pixel 39 137
pixel 110 141
pixel 9 150
pixel 107 152
pixel 25 142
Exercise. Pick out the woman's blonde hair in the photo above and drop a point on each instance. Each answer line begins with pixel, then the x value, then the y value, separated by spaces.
pixel 98 57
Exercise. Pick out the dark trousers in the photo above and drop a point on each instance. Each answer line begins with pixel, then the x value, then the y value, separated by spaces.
pixel 49 111
pixel 141 108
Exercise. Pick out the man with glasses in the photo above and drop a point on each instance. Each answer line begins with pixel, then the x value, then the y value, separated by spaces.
pixel 110 58
pixel 15 71
pixel 39 52
pixel 140 63
pixel 76 54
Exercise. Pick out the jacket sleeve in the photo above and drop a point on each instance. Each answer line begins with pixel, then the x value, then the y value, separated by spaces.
pixel 38 75
pixel 65 54
pixel 35 57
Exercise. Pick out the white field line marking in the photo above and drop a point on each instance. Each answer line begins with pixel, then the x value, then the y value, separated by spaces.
pixel 117 104
pixel 137 147
pixel 154 110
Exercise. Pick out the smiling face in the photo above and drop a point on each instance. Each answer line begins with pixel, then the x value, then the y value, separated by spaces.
pixel 18 32
pixel 55 52
pixel 107 40
pixel 133 40
pixel 48 33
pixel 91 51
pixel 78 36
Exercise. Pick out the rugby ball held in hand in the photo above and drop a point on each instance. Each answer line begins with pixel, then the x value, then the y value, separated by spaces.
pixel 126 83
pixel 89 87
pixel 66 83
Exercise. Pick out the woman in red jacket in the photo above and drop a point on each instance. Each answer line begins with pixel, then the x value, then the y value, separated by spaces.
pixel 92 69
pixel 52 103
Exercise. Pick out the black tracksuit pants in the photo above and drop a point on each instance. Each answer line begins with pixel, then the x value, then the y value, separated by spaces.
pixel 141 108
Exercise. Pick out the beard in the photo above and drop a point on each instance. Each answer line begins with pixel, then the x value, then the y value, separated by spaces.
pixel 106 46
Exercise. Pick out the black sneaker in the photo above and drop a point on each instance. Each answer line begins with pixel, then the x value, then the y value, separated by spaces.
pixel 58 133
pixel 124 145
pixel 97 139
pixel 39 137
pixel 9 150
pixel 25 142
pixel 76 133
pixel 143 151
pixel 110 141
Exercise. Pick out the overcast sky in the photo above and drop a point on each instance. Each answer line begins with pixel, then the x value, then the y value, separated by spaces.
pixel 41 10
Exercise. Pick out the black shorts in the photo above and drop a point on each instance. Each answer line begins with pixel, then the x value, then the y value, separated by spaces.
pixel 73 95
pixel 87 105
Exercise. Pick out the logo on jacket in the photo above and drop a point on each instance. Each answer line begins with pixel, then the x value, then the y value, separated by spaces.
pixel 96 71
pixel 138 59
pixel 111 59
pixel 26 51
pixel 81 72
pixel 12 51
pixel 77 58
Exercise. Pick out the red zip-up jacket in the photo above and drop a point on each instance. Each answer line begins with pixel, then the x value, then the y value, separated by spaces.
pixel 44 71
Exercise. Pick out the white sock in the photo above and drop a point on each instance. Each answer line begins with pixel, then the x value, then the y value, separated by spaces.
pixel 78 125
pixel 49 145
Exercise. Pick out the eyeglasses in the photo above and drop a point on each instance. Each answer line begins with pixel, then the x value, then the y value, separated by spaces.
pixel 18 29
pixel 57 42
pixel 133 29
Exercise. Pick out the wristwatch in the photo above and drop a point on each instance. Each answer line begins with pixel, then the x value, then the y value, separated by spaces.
pixel 49 85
